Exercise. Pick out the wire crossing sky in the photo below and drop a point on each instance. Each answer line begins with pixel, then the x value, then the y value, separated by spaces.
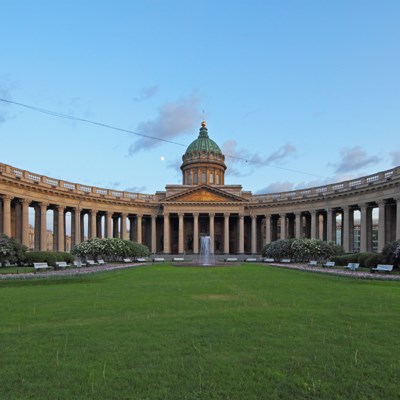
pixel 297 94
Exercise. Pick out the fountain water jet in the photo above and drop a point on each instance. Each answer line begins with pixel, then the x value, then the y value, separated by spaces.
pixel 206 251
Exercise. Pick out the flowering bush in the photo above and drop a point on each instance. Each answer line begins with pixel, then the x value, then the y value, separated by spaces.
pixel 391 253
pixel 110 249
pixel 301 250
pixel 11 250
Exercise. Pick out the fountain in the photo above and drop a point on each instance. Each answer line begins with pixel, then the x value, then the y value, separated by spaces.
pixel 206 251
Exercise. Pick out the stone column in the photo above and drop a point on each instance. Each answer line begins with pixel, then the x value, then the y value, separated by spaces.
pixel 241 234
pixel 181 248
pixel 25 222
pixel 381 226
pixel 7 215
pixel 43 227
pixel 108 224
pixel 167 242
pixel 283 226
pixel 139 228
pixel 346 228
pixel 329 225
pixel 398 218
pixel 226 233
pixel 298 225
pixel 253 234
pixel 196 233
pixel 268 229
pixel 124 233
pixel 60 229
pixel 313 214
pixel 363 228
pixel 92 224
pixel 212 235
pixel 153 233
pixel 76 227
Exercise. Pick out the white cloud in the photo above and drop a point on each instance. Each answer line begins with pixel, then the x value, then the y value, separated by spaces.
pixel 353 159
pixel 174 118
pixel 249 161
pixel 395 158
pixel 276 187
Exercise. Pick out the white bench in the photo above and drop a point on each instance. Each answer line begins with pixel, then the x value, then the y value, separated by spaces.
pixel 141 259
pixel 312 263
pixel 329 264
pixel 352 266
pixel 61 264
pixel 159 259
pixel 100 261
pixel 286 260
pixel 41 265
pixel 91 263
pixel 127 260
pixel 231 259
pixel 269 260
pixel 178 259
pixel 79 264
pixel 383 268
pixel 251 259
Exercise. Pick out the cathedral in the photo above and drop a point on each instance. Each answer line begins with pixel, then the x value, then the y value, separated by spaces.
pixel 173 221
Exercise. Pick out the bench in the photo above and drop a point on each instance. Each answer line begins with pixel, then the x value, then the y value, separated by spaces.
pixel 79 264
pixel 178 259
pixel 251 259
pixel 286 260
pixel 383 268
pixel 352 266
pixel 41 265
pixel 329 264
pixel 312 263
pixel 159 259
pixel 101 262
pixel 141 259
pixel 91 263
pixel 61 264
pixel 269 260
pixel 231 259
pixel 127 260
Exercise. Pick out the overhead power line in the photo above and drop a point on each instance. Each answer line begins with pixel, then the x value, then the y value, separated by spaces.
pixel 115 128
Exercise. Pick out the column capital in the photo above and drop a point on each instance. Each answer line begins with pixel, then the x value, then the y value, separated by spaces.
pixel 313 212
pixel 7 197
pixel 153 216
pixel 227 214
pixel 60 208
pixel 253 216
pixel 25 201
pixel 211 215
pixel 43 205
pixel 181 214
pixel 298 213
pixel 195 214
pixel 166 214
pixel 381 202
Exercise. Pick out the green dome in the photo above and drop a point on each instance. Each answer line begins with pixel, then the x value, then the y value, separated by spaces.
pixel 203 143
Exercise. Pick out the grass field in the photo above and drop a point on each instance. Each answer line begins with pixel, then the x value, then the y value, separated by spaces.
pixel 165 332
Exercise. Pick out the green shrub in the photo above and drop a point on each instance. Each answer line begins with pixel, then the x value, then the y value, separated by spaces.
pixel 64 256
pixel 373 260
pixel 363 257
pixel 41 256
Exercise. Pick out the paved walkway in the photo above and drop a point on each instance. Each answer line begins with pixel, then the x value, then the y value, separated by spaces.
pixel 111 267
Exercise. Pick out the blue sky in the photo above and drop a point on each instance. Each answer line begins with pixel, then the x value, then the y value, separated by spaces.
pixel 307 91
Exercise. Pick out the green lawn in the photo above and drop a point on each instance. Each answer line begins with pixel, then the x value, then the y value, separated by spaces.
pixel 164 332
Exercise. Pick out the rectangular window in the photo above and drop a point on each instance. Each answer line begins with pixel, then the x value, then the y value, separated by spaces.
pixel 203 177
pixel 211 178
pixel 196 179
pixel 217 177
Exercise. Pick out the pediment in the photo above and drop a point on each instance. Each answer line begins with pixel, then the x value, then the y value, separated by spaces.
pixel 204 194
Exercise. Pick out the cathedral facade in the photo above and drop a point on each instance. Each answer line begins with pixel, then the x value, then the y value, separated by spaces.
pixel 172 221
